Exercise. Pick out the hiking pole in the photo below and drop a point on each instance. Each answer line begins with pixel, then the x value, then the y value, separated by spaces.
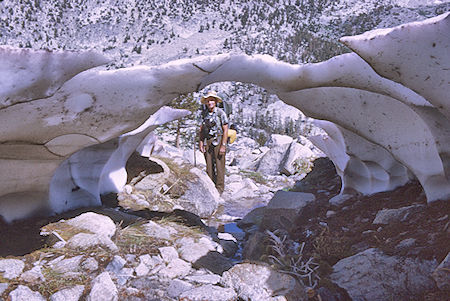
pixel 195 140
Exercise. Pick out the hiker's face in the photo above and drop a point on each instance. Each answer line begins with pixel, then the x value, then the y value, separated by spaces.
pixel 211 104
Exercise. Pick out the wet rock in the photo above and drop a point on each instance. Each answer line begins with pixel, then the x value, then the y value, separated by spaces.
pixel 228 243
pixel 254 217
pixel 283 208
pixel 213 261
pixel 259 282
pixel 362 274
pixel 209 292
pixel 255 246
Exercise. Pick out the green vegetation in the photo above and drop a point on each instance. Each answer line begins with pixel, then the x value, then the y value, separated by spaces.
pixel 255 176
pixel 303 165
pixel 181 126
pixel 133 239
pixel 55 281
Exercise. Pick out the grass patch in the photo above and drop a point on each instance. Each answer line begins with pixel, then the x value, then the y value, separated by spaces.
pixel 55 281
pixel 303 165
pixel 255 176
pixel 65 230
pixel 180 171
pixel 133 239
pixel 331 248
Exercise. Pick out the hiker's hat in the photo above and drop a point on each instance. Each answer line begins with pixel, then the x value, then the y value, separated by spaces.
pixel 210 94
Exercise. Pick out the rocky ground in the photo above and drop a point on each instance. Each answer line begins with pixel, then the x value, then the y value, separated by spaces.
pixel 303 242
pixel 399 227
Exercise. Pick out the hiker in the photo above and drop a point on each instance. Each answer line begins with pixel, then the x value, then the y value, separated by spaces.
pixel 213 139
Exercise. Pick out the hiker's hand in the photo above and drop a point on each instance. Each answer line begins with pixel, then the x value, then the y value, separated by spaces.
pixel 222 149
pixel 201 147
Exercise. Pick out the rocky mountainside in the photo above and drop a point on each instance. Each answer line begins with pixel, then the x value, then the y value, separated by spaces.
pixel 159 31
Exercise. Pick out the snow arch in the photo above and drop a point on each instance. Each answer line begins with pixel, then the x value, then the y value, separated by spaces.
pixel 374 97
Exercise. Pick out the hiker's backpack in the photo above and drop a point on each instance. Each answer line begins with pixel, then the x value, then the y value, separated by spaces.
pixel 227 107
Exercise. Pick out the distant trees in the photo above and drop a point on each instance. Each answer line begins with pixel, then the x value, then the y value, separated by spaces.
pixel 186 102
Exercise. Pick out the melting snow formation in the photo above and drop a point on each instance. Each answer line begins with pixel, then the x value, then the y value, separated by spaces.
pixel 385 108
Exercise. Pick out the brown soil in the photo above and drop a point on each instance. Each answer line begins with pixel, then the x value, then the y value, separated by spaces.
pixel 350 230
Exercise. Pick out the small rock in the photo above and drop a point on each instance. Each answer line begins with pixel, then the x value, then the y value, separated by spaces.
pixel 339 199
pixel 85 241
pixel 90 264
pixel 103 288
pixel 176 268
pixel 147 263
pixel 260 282
pixel 209 292
pixel 204 279
pixel 177 287
pixel 3 287
pixel 94 223
pixel 67 265
pixel 226 236
pixel 142 270
pixel 406 243
pixel 441 274
pixel 33 276
pixel 191 251
pixel 214 262
pixel 388 216
pixel 330 213
pixel 24 293
pixel 68 294
pixel 116 264
pixel 168 253
pixel 124 275
pixel 128 189
pixel 11 268
pixel 158 232
pixel 360 274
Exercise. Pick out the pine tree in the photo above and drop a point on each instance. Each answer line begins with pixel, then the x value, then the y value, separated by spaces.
pixel 186 102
